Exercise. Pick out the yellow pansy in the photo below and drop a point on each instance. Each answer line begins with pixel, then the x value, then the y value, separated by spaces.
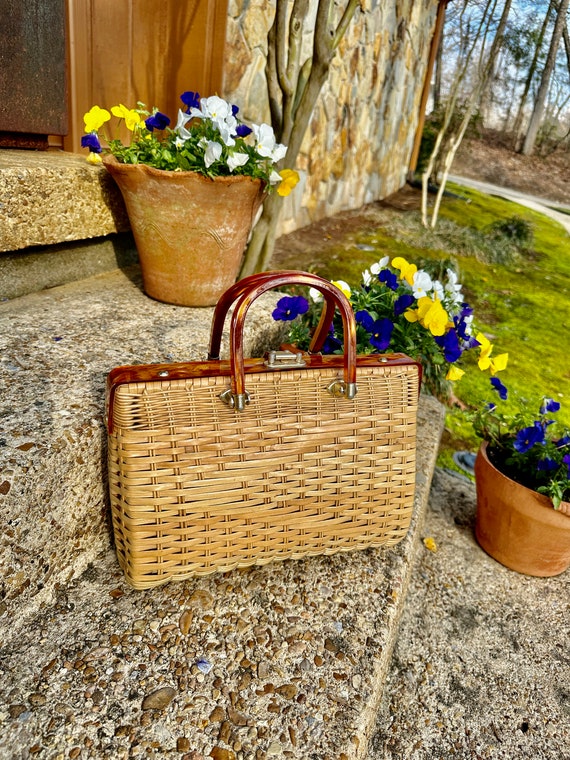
pixel 454 373
pixel 499 363
pixel 485 361
pixel 289 178
pixel 431 315
pixel 342 285
pixel 95 118
pixel 130 116
pixel 430 544
pixel 94 158
pixel 407 270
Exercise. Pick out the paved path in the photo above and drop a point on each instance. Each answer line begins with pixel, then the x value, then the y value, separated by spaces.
pixel 542 205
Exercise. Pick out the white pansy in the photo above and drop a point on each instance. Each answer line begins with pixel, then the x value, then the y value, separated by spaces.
pixel 468 323
pixel 438 289
pixel 182 134
pixel 315 295
pixel 422 284
pixel 265 143
pixel 212 151
pixel 452 285
pixel 366 277
pixel 278 152
pixel 226 133
pixel 380 265
pixel 183 119
pixel 237 159
pixel 275 178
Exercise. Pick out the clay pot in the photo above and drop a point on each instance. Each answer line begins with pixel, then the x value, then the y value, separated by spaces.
pixel 518 527
pixel 190 231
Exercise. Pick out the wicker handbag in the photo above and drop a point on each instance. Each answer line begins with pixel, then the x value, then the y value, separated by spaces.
pixel 216 465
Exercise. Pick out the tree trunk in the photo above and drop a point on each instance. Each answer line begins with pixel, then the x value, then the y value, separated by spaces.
pixel 539 105
pixel 293 92
pixel 486 98
pixel 517 127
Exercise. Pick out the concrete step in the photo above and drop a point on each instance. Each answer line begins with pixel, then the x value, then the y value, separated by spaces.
pixel 56 348
pixel 481 666
pixel 287 660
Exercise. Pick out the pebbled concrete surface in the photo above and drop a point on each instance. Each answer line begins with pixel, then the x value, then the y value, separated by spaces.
pixel 287 660
pixel 481 667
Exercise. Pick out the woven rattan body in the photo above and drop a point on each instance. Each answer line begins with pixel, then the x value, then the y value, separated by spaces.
pixel 198 487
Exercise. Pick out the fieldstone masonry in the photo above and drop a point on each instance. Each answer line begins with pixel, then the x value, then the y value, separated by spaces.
pixel 358 144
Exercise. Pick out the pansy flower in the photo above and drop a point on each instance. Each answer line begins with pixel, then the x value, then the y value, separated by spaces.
pixel 158 120
pixel 290 307
pixel 549 405
pixel 546 465
pixel 131 117
pixel 95 118
pixel 389 279
pixel 500 388
pixel 91 141
pixel 449 342
pixel 402 303
pixel 528 437
pixel 190 100
pixel 407 270
pixel 289 178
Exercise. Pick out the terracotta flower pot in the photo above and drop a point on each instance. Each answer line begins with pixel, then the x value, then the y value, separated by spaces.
pixel 190 231
pixel 518 527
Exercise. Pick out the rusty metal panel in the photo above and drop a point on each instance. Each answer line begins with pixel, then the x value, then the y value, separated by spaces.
pixel 33 96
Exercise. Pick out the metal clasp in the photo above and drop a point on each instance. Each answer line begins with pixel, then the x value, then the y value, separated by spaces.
pixel 341 389
pixel 284 359
pixel 237 401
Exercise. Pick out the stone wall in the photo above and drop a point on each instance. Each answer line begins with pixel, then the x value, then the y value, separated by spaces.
pixel 360 139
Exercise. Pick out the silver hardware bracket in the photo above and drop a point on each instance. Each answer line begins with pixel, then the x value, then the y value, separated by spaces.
pixel 284 360
pixel 237 401
pixel 340 389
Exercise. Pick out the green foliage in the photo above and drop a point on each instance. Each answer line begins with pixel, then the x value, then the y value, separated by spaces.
pixel 514 228
pixel 528 444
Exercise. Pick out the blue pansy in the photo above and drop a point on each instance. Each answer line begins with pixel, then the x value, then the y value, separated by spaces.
pixel 500 388
pixel 191 100
pixel 564 441
pixel 381 334
pixel 549 405
pixel 402 303
pixel 332 345
pixel 450 344
pixel 290 307
pixel 529 437
pixel 365 319
pixel 566 460
pixel 157 121
pixel 243 130
pixel 91 141
pixel 547 464
pixel 389 279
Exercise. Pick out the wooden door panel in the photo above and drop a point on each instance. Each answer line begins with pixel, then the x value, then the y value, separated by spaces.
pixel 124 51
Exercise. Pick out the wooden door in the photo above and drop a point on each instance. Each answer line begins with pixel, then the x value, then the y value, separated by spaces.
pixel 125 51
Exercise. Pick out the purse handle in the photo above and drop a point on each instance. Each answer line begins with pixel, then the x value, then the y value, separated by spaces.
pixel 236 396
pixel 239 288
